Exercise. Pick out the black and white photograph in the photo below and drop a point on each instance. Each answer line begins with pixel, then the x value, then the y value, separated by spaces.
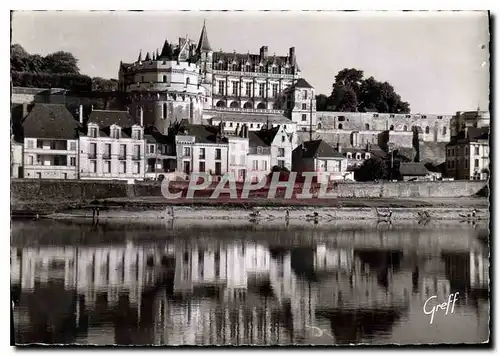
pixel 250 178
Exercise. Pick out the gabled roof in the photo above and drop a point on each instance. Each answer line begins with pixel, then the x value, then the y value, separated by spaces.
pixel 267 135
pixel 317 148
pixel 203 44
pixel 50 121
pixel 302 83
pixel 413 169
pixel 254 140
pixel 106 118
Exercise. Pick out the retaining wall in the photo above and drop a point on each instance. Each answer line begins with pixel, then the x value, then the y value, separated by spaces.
pixel 26 191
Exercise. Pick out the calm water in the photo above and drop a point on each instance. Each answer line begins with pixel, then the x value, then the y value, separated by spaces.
pixel 222 284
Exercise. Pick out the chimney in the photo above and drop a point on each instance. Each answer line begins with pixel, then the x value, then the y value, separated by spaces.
pixel 25 109
pixel 80 114
pixel 339 147
pixel 263 52
pixel 141 116
pixel 292 55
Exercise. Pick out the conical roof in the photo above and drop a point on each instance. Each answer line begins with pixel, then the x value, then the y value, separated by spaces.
pixel 203 44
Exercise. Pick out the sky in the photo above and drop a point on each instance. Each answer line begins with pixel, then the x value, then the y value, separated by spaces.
pixel 435 60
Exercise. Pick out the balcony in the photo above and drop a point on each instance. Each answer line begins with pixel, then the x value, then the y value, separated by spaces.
pixel 252 74
pixel 244 110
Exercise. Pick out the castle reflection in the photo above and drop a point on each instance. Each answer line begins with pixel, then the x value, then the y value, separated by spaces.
pixel 182 292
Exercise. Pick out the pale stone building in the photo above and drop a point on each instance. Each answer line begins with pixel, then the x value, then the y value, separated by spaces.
pixel 16 158
pixel 468 154
pixel 161 159
pixel 469 119
pixel 202 148
pixel 318 156
pixel 112 147
pixel 50 143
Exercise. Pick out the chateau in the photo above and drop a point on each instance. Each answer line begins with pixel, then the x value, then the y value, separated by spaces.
pixel 254 109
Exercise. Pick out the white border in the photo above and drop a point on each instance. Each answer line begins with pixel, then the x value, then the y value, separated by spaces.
pixel 188 5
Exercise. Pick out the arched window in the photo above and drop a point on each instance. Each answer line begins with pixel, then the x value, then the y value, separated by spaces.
pixel 367 127
pixel 444 130
pixel 261 106
pixel 391 128
pixel 340 126
pixel 358 155
pixel 187 81
pixel 405 128
pixel 427 129
pixel 367 156
pixel 164 111
pixel 164 79
pixel 220 104
pixel 349 156
pixel 248 105
pixel 234 104
pixel 319 126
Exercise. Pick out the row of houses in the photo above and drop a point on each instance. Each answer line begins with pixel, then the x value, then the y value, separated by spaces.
pixel 112 145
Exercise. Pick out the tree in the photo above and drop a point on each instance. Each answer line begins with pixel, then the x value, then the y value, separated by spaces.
pixel 322 102
pixel 371 169
pixel 101 84
pixel 351 92
pixel 62 62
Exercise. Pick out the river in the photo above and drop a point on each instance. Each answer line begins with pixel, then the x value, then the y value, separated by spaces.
pixel 73 282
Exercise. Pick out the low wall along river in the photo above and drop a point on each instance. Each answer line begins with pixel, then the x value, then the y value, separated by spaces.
pixel 31 190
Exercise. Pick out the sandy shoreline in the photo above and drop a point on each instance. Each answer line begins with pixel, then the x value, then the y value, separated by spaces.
pixel 267 214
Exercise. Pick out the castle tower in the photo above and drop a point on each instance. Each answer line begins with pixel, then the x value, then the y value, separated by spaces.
pixel 166 86
pixel 205 54
pixel 300 105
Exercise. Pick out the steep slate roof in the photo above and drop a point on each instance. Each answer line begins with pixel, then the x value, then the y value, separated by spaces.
pixel 254 140
pixel 473 134
pixel 302 83
pixel 242 58
pixel 152 135
pixel 413 169
pixel 203 133
pixel 50 121
pixel 203 44
pixel 106 118
pixel 267 135
pixel 317 148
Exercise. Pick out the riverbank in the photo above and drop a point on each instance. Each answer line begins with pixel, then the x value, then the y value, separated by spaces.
pixel 317 210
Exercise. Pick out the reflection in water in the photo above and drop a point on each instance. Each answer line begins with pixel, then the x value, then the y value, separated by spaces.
pixel 209 290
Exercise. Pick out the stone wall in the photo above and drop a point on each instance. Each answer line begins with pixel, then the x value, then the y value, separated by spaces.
pixel 26 193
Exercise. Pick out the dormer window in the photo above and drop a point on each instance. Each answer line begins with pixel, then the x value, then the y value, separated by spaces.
pixel 93 132
pixel 358 155
pixel 349 156
pixel 115 133
pixel 367 156
pixel 136 134
pixel 261 69
pixel 275 70
pixel 248 68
